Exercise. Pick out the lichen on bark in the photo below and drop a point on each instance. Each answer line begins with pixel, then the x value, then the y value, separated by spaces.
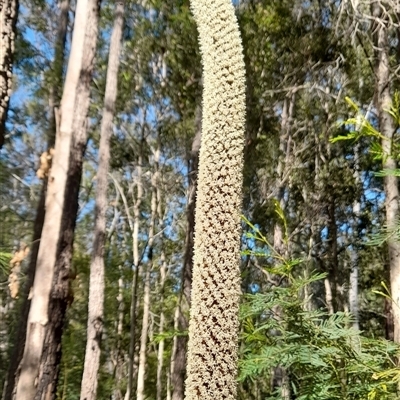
pixel 213 329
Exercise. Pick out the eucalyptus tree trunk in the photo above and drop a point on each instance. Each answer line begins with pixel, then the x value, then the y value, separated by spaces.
pixel 51 288
pixel 144 333
pixel 136 272
pixel 161 345
pixel 354 271
pixel 147 269
pixel 96 282
pixel 279 376
pixel 54 98
pixel 214 323
pixel 178 361
pixel 333 263
pixel 163 277
pixel 383 102
pixel 353 281
pixel 8 22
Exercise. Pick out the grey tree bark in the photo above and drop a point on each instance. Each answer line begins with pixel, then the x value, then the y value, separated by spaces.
pixel 96 283
pixel 178 362
pixel 156 183
pixel 146 281
pixel 354 271
pixel 55 95
pixel 51 287
pixel 383 102
pixel 8 22
pixel 279 376
pixel 161 345
pixel 136 272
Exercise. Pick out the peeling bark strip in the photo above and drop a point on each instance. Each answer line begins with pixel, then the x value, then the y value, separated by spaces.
pixel 213 329
pixel 8 22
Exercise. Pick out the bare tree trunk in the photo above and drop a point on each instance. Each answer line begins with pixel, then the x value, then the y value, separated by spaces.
pixel 178 363
pixel 163 277
pixel 333 272
pixel 172 367
pixel 134 228
pixel 383 102
pixel 96 284
pixel 329 296
pixel 161 345
pixel 51 288
pixel 279 378
pixel 169 394
pixel 354 272
pixel 8 22
pixel 55 94
pixel 119 358
pixel 135 279
pixel 353 281
pixel 144 335
pixel 146 296
pixel 214 322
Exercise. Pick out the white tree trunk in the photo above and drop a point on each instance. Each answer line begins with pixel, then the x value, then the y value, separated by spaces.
pixel 383 102
pixel 353 278
pixel 96 283
pixel 146 296
pixel 143 336
pixel 135 279
pixel 163 276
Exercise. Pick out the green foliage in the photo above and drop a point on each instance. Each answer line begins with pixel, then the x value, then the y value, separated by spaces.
pixel 361 127
pixel 5 259
pixel 324 358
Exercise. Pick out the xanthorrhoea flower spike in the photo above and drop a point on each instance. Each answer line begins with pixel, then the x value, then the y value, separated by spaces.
pixel 213 330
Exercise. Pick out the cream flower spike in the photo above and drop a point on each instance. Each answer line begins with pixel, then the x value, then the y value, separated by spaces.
pixel 213 329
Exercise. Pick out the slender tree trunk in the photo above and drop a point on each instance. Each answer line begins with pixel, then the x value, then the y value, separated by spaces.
pixel 172 368
pixel 353 290
pixel 329 296
pixel 96 284
pixel 163 277
pixel 279 378
pixel 214 323
pixel 134 228
pixel 169 393
pixel 55 94
pixel 135 279
pixel 333 271
pixel 354 272
pixel 8 23
pixel 144 335
pixel 119 358
pixel 146 296
pixel 383 102
pixel 180 342
pixel 51 288
pixel 353 279
pixel 161 345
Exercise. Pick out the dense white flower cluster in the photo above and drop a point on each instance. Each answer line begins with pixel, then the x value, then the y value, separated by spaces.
pixel 213 331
